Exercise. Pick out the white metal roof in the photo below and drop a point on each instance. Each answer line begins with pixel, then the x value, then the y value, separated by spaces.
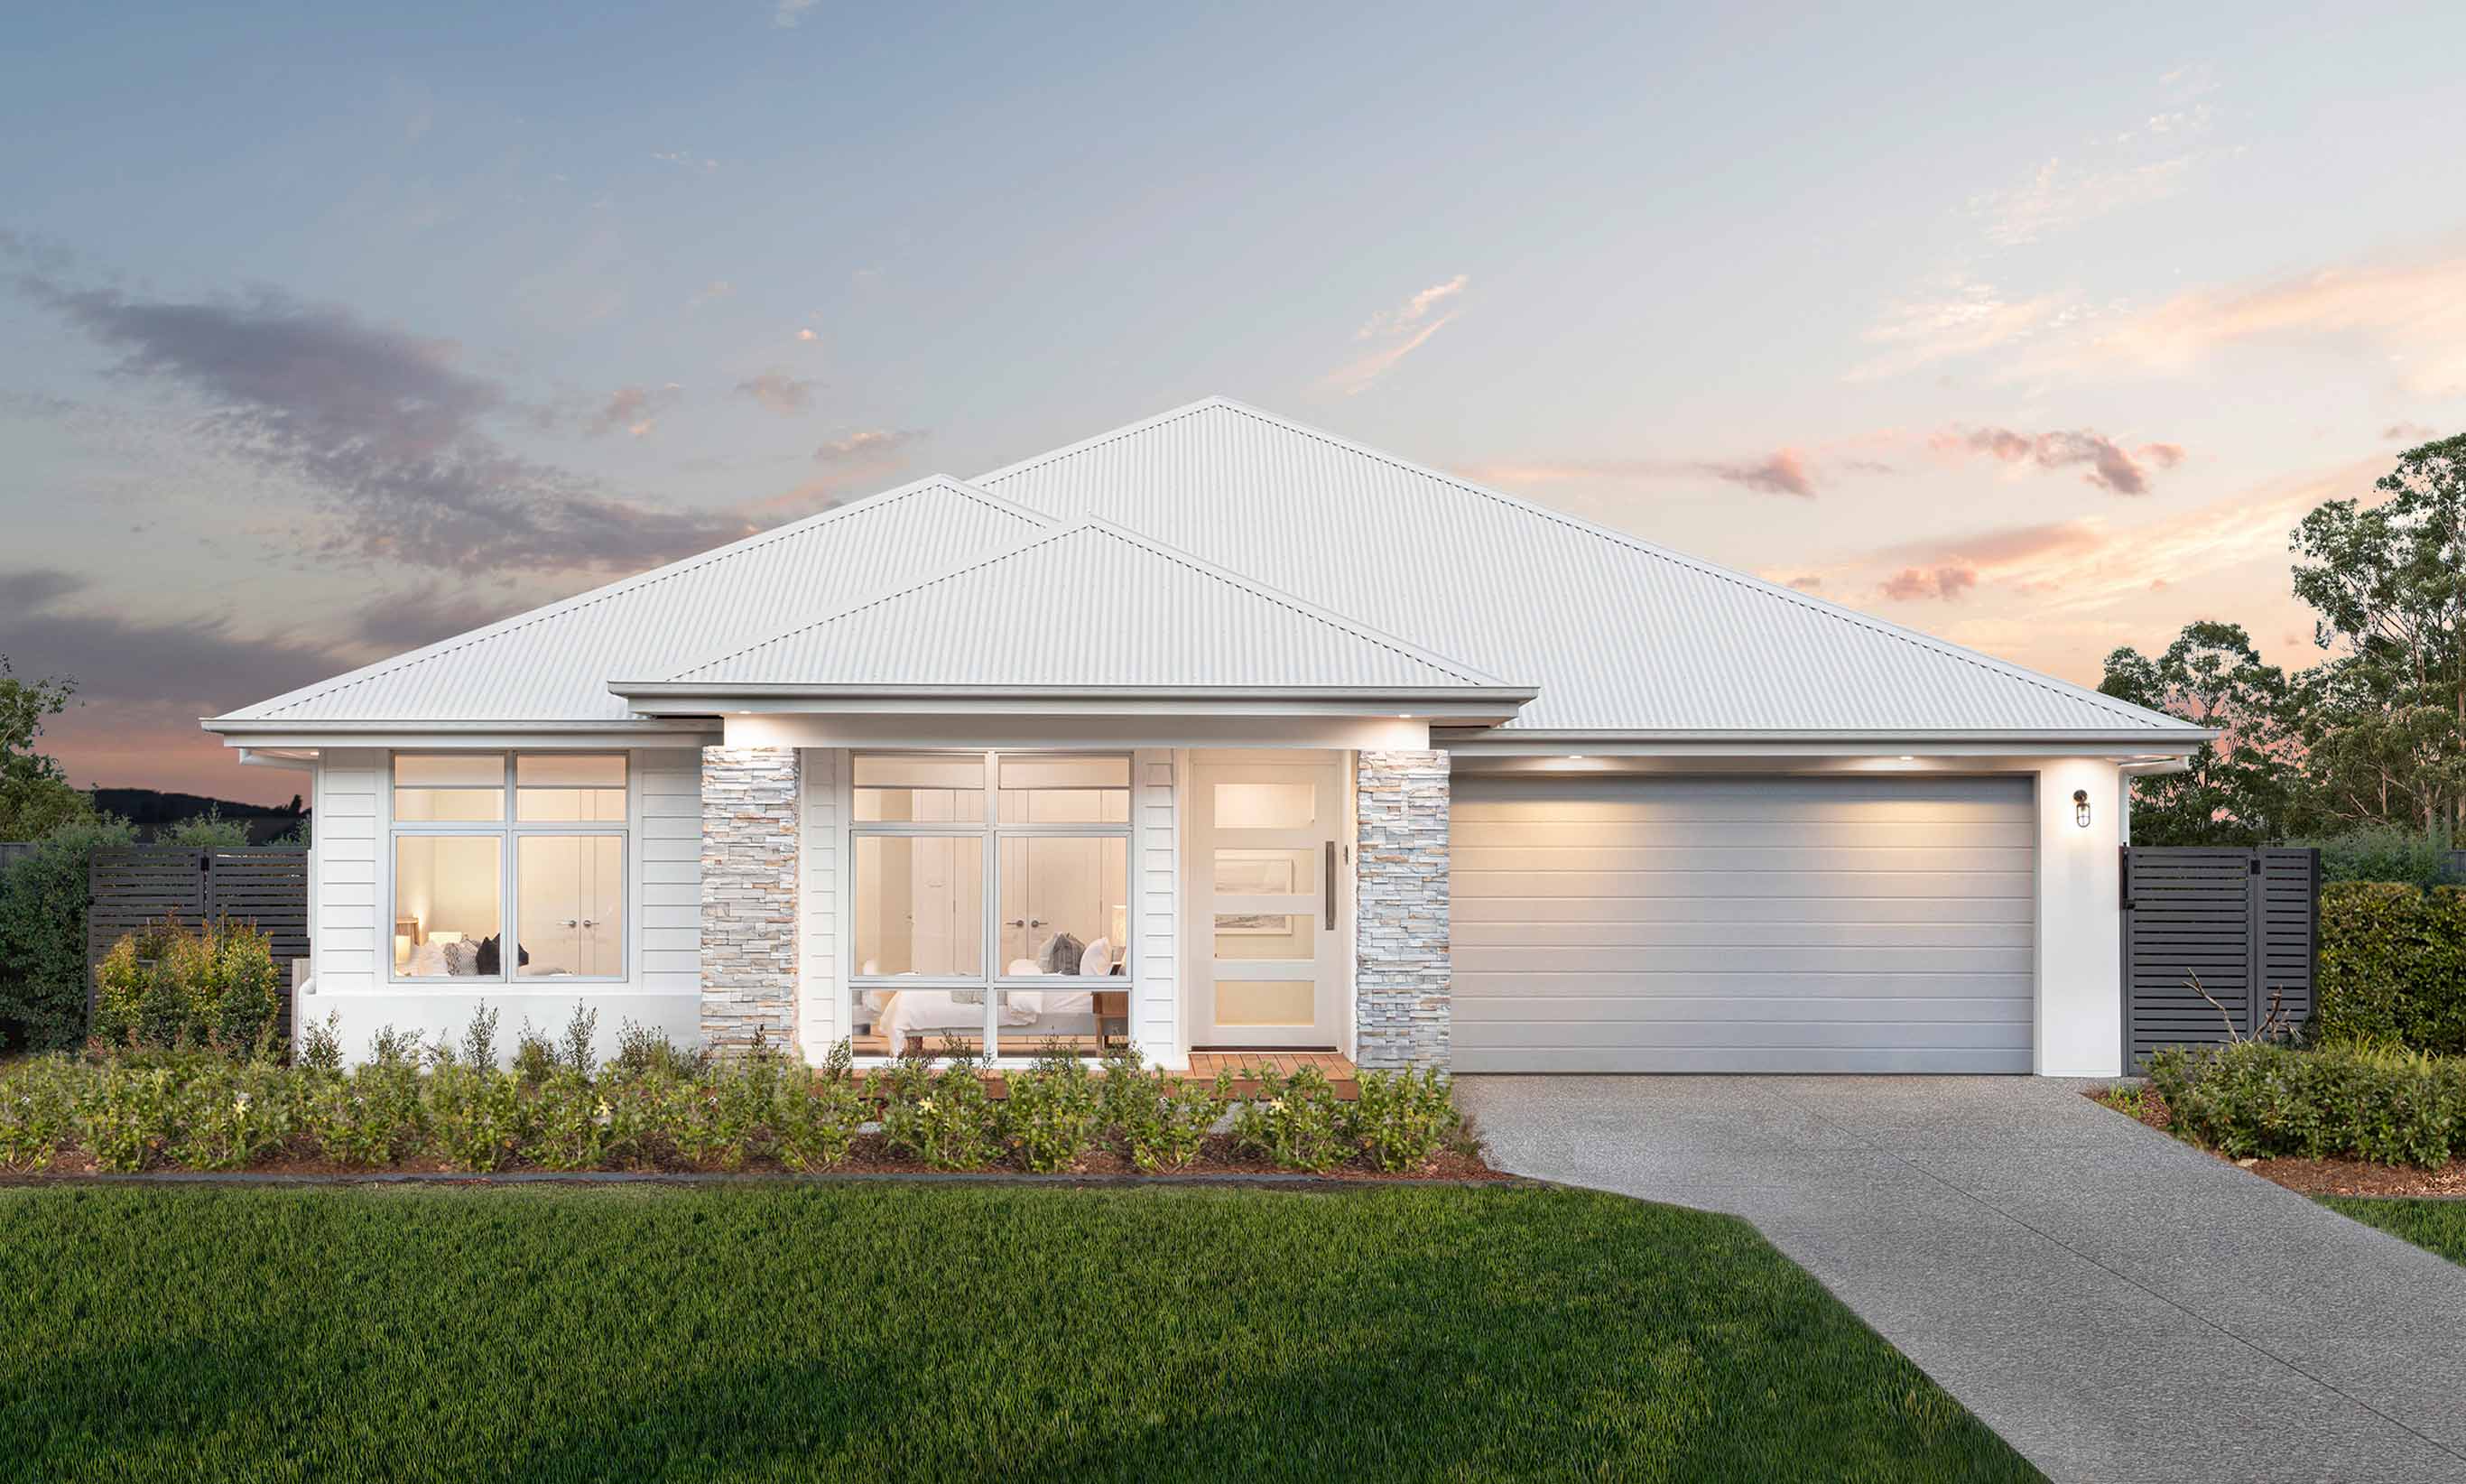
pixel 1088 608
pixel 1308 553
pixel 553 663
pixel 1623 635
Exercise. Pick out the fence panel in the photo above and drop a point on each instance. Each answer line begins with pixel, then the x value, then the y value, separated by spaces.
pixel 12 852
pixel 130 886
pixel 2243 923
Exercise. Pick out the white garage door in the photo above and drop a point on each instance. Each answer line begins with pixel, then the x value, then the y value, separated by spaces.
pixel 1851 925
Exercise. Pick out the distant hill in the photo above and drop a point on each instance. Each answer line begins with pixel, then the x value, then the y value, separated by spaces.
pixel 151 810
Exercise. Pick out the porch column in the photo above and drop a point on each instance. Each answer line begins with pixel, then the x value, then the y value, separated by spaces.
pixel 1400 962
pixel 748 896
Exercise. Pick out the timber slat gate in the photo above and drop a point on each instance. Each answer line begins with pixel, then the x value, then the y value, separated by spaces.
pixel 2246 922
pixel 130 886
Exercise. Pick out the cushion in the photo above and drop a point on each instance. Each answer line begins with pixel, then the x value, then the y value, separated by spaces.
pixel 463 958
pixel 1061 955
pixel 1099 957
pixel 427 962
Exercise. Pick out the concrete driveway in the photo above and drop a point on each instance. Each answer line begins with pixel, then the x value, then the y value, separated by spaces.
pixel 2119 1306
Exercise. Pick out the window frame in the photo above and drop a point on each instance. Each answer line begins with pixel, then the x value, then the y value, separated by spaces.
pixel 990 831
pixel 506 831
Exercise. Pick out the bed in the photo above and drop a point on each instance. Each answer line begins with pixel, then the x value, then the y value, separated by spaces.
pixel 933 1013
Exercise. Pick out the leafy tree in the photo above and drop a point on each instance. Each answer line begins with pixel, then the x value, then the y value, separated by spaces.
pixel 2384 725
pixel 35 798
pixel 2238 789
pixel 208 831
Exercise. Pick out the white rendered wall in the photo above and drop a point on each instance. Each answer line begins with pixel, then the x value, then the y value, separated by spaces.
pixel 2081 922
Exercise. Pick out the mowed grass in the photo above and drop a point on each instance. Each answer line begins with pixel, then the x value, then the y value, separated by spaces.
pixel 866 1332
pixel 2437 1226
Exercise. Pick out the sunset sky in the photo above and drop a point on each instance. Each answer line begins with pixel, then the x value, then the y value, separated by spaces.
pixel 322 338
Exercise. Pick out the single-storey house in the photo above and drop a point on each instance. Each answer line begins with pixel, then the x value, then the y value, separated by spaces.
pixel 1217 732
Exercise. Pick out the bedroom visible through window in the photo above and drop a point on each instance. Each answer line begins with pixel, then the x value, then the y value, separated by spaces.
pixel 990 901
pixel 464 866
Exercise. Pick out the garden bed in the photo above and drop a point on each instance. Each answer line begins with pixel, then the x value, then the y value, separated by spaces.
pixel 441 1108
pixel 2267 1114
pixel 869 1154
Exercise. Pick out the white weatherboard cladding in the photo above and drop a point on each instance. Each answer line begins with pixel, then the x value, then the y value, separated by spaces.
pixel 555 663
pixel 1620 635
pixel 353 942
pixel 1744 925
pixel 1084 607
pixel 819 1015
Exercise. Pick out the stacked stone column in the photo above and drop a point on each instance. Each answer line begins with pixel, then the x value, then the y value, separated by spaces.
pixel 1401 973
pixel 749 897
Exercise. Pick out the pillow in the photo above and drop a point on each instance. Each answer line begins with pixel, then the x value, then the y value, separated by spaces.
pixel 462 958
pixel 427 962
pixel 486 957
pixel 1099 957
pixel 1062 954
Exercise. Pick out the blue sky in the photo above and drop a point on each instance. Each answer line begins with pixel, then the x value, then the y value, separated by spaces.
pixel 327 334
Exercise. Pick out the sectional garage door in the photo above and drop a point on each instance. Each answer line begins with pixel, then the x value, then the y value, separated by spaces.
pixel 1656 924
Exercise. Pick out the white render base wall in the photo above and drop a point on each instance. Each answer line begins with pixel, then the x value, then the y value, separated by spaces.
pixel 2081 922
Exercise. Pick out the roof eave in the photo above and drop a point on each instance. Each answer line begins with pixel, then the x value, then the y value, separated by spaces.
pixel 2126 742
pixel 1471 706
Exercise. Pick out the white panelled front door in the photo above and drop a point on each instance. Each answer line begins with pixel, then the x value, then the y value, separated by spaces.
pixel 1269 856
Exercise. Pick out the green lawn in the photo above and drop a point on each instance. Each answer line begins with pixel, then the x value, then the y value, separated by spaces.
pixel 2438 1225
pixel 775 1331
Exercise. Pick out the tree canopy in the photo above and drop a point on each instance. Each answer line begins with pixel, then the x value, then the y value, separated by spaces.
pixel 2374 736
pixel 35 798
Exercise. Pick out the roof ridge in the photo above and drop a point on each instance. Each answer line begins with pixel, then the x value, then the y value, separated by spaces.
pixel 1141 541
pixel 2155 720
pixel 378 669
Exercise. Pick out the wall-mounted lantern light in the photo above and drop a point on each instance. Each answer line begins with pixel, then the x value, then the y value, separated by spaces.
pixel 2080 807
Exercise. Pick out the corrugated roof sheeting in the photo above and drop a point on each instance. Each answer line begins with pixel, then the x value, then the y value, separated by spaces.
pixel 555 662
pixel 1083 608
pixel 1621 635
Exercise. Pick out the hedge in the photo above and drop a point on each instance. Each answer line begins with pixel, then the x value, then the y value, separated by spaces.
pixel 42 936
pixel 2260 1100
pixel 2392 966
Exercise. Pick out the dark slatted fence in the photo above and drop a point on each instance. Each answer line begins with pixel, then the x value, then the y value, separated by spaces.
pixel 12 852
pixel 2245 922
pixel 133 884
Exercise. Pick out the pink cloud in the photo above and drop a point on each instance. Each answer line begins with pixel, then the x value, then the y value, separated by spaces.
pixel 1944 583
pixel 2111 466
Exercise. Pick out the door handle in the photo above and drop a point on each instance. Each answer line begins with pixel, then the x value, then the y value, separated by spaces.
pixel 1330 874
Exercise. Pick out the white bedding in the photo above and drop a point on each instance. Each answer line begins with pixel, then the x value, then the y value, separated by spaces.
pixel 902 1013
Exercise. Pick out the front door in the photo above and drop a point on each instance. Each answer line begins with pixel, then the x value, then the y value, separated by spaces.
pixel 1269 859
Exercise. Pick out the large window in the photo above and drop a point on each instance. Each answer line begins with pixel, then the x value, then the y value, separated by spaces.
pixel 483 840
pixel 991 897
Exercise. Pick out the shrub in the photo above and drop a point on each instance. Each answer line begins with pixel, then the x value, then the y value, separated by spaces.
pixel 943 1117
pixel 2392 966
pixel 535 1058
pixel 1402 1118
pixel 816 1119
pixel 2386 852
pixel 42 936
pixel 479 1115
pixel 166 987
pixel 2342 1099
pixel 126 1121
pixel 1293 1120
pixel 39 1103
pixel 1050 1116
pixel 321 1043
pixel 1162 1120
